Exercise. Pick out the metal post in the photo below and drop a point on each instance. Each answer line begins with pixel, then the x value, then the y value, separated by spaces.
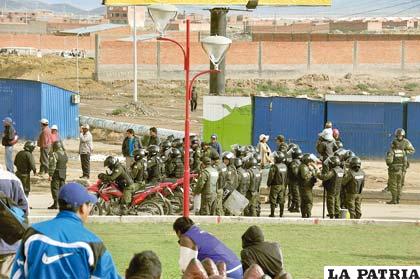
pixel 97 46
pixel 134 56
pixel 186 209
pixel 355 56
pixel 403 54
pixel 158 59
pixel 218 24
pixel 309 56
pixel 77 63
pixel 260 58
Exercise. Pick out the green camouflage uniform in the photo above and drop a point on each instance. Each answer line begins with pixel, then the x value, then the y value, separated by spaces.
pixel 253 194
pixel 120 176
pixel 207 187
pixel 196 156
pixel 307 177
pixel 243 180
pixel 222 170
pixel 332 182
pixel 25 163
pixel 293 182
pixel 353 183
pixel 139 171
pixel 57 170
pixel 277 177
pixel 396 161
pixel 155 169
pixel 409 149
pixel 176 168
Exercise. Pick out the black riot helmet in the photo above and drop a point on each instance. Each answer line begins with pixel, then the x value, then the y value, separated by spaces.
pixel 257 156
pixel 175 153
pixel 110 162
pixel 292 146
pixel 252 162
pixel 334 161
pixel 139 154
pixel 29 146
pixel 237 162
pixel 348 155
pixel 177 143
pixel 297 153
pixel 306 158
pixel 58 145
pixel 355 163
pixel 250 148
pixel 279 157
pixel 153 150
pixel 165 145
pixel 400 133
pixel 339 144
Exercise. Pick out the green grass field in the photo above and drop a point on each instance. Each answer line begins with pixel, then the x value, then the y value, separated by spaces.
pixel 306 248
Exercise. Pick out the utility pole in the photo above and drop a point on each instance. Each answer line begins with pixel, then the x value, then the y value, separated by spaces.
pixel 218 23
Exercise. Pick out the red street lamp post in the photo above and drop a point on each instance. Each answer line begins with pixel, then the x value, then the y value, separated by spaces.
pixel 216 47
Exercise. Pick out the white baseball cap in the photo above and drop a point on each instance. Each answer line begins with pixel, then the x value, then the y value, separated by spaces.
pixel 54 127
pixel 44 121
pixel 262 136
pixel 86 126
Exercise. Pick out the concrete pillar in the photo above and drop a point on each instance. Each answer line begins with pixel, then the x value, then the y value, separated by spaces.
pixel 218 23
pixel 309 57
pixel 403 55
pixel 97 57
pixel 260 54
pixel 355 56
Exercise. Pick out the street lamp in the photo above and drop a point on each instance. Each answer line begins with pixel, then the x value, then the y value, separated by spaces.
pixel 215 47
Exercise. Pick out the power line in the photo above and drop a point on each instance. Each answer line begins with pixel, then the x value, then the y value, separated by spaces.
pixel 382 8
pixel 404 10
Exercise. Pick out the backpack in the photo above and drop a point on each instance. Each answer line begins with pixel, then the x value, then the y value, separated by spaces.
pixel 13 220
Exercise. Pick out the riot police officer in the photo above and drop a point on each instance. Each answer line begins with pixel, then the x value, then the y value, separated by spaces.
pixel 221 183
pixel 243 177
pixel 396 159
pixel 25 163
pixel 139 167
pixel 353 183
pixel 57 170
pixel 231 182
pixel 155 165
pixel 332 178
pixel 293 179
pixel 277 177
pixel 254 188
pixel 307 177
pixel 207 187
pixel 196 156
pixel 119 175
pixel 176 166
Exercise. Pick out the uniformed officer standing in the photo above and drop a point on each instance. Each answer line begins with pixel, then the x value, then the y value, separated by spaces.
pixel 353 183
pixel 332 178
pixel 207 187
pixel 293 179
pixel 307 177
pixel 396 160
pixel 196 156
pixel 57 171
pixel 231 182
pixel 277 177
pixel 25 163
pixel 155 165
pixel 139 167
pixel 222 170
pixel 176 166
pixel 253 193
pixel 243 177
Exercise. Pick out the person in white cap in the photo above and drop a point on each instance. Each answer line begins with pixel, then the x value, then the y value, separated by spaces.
pixel 55 136
pixel 44 143
pixel 264 150
pixel 85 150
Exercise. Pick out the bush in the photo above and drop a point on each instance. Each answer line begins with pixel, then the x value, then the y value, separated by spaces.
pixel 411 86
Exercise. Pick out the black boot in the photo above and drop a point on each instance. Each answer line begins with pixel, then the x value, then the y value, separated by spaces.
pixel 273 208
pixel 392 202
pixel 337 216
pixel 281 210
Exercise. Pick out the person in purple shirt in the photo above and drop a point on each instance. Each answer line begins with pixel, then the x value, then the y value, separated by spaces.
pixel 196 243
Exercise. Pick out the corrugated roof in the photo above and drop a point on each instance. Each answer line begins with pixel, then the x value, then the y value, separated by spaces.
pixel 366 99
pixel 93 28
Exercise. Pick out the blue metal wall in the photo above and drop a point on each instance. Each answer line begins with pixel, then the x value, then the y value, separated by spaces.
pixel 57 107
pixel 20 100
pixel 413 126
pixel 366 128
pixel 299 120
pixel 26 102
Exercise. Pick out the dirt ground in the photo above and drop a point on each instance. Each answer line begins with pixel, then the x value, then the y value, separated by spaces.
pixel 163 101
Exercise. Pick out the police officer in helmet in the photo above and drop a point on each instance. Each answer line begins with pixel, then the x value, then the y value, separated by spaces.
pixel 353 183
pixel 277 177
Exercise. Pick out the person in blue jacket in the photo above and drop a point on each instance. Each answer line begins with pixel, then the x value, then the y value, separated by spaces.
pixel 198 244
pixel 63 247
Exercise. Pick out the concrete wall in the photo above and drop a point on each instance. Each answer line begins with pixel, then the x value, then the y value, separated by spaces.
pixel 33 27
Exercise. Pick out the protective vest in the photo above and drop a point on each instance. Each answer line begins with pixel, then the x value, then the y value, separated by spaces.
pixel 155 168
pixel 61 165
pixel 124 179
pixel 357 182
pixel 232 177
pixel 281 174
pixel 23 162
pixel 222 169
pixel 141 166
pixel 294 169
pixel 211 184
pixel 335 182
pixel 244 181
pixel 399 157
pixel 256 178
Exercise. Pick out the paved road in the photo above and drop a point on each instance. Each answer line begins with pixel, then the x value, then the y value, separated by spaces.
pixel 371 210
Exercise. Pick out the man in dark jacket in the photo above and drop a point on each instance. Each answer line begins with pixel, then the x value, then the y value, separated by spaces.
pixel 255 250
pixel 25 163
pixel 130 144
pixel 8 140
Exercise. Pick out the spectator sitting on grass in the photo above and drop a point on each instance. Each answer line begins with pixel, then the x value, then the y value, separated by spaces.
pixel 198 244
pixel 144 265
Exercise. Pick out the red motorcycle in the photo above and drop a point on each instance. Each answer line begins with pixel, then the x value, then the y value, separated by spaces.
pixel 110 195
